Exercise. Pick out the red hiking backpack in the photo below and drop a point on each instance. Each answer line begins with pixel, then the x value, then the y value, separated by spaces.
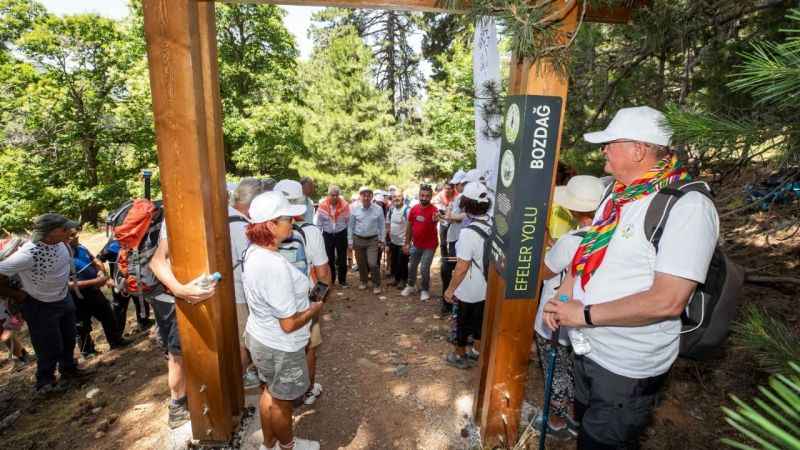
pixel 137 229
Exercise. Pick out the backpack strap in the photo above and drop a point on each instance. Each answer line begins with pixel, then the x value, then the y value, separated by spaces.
pixel 299 229
pixel 485 236
pixel 658 212
pixel 236 219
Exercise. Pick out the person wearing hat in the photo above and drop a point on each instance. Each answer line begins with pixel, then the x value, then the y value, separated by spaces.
pixel 625 295
pixel 309 187
pixel 43 267
pixel 332 218
pixel 454 217
pixel 580 198
pixel 366 233
pixel 442 201
pixel 314 264
pixel 468 285
pixel 278 329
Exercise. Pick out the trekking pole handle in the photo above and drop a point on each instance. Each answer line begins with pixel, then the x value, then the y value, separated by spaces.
pixel 146 175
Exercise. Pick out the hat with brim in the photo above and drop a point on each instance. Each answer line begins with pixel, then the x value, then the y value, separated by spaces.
pixel 583 193
pixel 641 124
pixel 473 176
pixel 363 189
pixel 458 177
pixel 44 224
pixel 293 191
pixel 272 205
pixel 476 191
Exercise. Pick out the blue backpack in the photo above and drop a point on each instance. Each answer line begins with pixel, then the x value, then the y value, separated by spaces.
pixel 294 249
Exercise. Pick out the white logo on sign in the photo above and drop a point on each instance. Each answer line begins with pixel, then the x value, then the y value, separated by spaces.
pixel 512 123
pixel 507 166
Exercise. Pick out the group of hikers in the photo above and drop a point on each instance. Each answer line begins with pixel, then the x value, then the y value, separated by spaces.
pixel 614 295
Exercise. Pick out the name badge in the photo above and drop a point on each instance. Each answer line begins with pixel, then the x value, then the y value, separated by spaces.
pixel 420 218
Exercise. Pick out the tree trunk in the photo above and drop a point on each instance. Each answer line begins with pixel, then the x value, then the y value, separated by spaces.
pixel 391 70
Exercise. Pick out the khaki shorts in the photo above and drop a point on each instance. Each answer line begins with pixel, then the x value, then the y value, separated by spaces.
pixel 316 336
pixel 242 313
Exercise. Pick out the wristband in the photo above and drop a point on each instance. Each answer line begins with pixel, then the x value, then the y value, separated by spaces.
pixel 587 315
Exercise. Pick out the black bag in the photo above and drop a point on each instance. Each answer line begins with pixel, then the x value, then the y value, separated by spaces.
pixel 712 306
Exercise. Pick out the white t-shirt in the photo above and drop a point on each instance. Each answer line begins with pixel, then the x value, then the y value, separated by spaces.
pixel 43 270
pixel 454 230
pixel 470 248
pixel 629 267
pixel 557 259
pixel 398 219
pixel 239 244
pixel 315 244
pixel 275 290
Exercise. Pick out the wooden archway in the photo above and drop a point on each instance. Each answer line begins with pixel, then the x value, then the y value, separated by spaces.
pixel 184 79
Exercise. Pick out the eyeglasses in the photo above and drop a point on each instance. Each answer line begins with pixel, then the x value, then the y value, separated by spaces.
pixel 605 146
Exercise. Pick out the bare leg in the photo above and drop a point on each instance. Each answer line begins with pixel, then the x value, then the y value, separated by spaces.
pixel 265 406
pixel 176 378
pixel 311 360
pixel 244 354
pixel 281 414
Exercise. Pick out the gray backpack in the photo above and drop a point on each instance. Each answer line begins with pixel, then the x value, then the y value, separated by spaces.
pixel 711 308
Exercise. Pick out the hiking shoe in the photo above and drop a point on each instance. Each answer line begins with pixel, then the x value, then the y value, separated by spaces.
pixel 362 286
pixel 75 373
pixel 408 290
pixel 473 354
pixel 560 434
pixel 178 414
pixel 344 285
pixel 312 395
pixel 459 362
pixel 250 379
pixel 121 343
pixel 376 291
pixel 424 296
pixel 47 389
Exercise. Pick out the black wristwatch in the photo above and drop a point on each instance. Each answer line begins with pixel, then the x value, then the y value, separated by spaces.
pixel 587 315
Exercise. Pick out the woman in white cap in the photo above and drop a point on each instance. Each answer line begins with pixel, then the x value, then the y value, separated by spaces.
pixel 581 197
pixel 278 328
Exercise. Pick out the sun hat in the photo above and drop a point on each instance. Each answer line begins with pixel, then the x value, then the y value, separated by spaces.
pixel 271 205
pixel 458 177
pixel 293 191
pixel 641 123
pixel 363 189
pixel 46 223
pixel 583 193
pixel 476 191
pixel 473 176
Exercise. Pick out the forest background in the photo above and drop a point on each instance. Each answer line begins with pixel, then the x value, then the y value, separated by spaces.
pixel 76 123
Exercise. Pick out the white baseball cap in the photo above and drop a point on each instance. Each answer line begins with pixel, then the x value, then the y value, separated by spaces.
pixel 582 193
pixel 642 124
pixel 458 177
pixel 271 205
pixel 473 176
pixel 476 191
pixel 293 190
pixel 363 189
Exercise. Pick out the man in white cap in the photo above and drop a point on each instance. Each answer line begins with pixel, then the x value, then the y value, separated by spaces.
pixel 625 294
pixel 442 201
pixel 313 261
pixel 366 232
pixel 454 216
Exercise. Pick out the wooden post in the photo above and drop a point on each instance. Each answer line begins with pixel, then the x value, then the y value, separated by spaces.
pixel 182 84
pixel 508 323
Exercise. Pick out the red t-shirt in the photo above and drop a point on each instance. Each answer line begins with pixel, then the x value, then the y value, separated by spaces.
pixel 423 226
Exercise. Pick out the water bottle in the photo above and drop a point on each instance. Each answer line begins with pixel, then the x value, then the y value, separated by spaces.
pixel 205 281
pixel 580 344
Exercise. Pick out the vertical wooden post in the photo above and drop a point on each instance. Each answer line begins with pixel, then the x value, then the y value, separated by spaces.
pixel 194 205
pixel 508 323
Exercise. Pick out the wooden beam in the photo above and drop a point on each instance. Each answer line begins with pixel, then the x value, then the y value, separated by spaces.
pixel 508 328
pixel 193 207
pixel 608 14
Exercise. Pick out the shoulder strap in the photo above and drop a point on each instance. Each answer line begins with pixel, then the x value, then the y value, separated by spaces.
pixel 299 229
pixel 236 219
pixel 580 234
pixel 240 261
pixel 657 213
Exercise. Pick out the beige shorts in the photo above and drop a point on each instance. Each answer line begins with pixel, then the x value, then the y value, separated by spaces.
pixel 242 313
pixel 316 336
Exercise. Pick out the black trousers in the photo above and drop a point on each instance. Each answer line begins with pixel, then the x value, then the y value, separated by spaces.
pixel 470 322
pixel 94 304
pixel 120 306
pixel 447 271
pixel 399 264
pixel 52 329
pixel 444 253
pixel 336 248
pixel 613 410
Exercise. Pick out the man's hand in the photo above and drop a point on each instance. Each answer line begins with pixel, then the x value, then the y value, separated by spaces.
pixel 568 314
pixel 406 250
pixel 193 293
pixel 449 295
pixel 316 308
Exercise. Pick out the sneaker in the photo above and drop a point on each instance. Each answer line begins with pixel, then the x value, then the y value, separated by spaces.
pixel 250 379
pixel 344 285
pixel 312 395
pixel 362 286
pixel 47 389
pixel 473 354
pixel 459 362
pixel 178 413
pixel 408 290
pixel 560 434
pixel 355 268
pixel 264 447
pixel 424 296
pixel 303 444
pixel 376 291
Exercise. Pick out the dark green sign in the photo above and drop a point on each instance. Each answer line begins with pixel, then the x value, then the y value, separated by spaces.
pixel 527 160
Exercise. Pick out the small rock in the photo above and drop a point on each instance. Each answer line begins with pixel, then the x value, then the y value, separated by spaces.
pixel 97 410
pixel 131 373
pixel 94 392
pixel 401 370
pixel 99 435
pixel 382 297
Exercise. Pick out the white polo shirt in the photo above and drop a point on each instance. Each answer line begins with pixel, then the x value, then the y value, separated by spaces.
pixel 629 267
pixel 469 247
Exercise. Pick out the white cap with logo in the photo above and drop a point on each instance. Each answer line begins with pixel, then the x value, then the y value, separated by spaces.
pixel 458 177
pixel 642 124
pixel 363 189
pixel 476 191
pixel 293 190
pixel 473 176
pixel 271 205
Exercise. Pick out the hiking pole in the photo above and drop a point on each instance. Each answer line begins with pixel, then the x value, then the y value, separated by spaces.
pixel 548 383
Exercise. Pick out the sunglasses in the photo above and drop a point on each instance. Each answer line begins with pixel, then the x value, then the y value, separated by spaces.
pixel 605 146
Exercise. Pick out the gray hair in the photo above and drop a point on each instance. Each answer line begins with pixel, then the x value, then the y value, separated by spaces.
pixel 334 189
pixel 247 190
